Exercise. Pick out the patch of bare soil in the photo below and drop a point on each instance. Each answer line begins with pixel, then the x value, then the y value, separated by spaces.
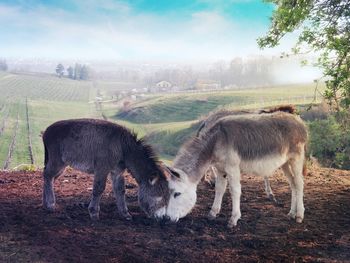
pixel 30 234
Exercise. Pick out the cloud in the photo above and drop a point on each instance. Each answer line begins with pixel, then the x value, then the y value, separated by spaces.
pixel 114 30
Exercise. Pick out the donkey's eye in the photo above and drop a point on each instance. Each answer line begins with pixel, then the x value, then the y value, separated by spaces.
pixel 177 194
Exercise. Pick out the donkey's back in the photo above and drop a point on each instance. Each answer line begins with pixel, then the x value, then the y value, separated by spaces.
pixel 257 136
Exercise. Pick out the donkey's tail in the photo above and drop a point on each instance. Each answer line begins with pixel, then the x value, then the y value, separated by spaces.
pixel 46 156
pixel 305 166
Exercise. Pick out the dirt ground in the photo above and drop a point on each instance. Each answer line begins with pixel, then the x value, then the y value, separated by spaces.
pixel 264 234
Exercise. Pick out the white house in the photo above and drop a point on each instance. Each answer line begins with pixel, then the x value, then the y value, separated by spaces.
pixel 163 84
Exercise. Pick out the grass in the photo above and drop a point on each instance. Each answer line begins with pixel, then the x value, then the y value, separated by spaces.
pixel 191 106
pixel 49 99
pixel 6 137
pixel 43 87
pixel 21 151
pixel 167 142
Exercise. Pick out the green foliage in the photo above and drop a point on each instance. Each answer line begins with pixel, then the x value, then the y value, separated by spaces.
pixel 26 168
pixel 70 72
pixel 329 143
pixel 60 70
pixel 3 65
pixel 325 29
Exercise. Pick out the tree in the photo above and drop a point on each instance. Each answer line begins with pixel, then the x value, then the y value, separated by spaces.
pixel 84 73
pixel 236 71
pixel 324 29
pixel 77 71
pixel 60 70
pixel 70 72
pixel 3 65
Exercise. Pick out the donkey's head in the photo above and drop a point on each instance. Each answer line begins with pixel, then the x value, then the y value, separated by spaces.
pixel 182 198
pixel 154 195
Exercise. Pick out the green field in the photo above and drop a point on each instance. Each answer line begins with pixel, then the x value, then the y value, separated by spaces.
pixel 48 99
pixel 191 106
pixel 167 120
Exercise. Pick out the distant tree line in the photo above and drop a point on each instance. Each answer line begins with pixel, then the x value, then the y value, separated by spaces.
pixel 255 71
pixel 78 72
pixel 240 72
pixel 3 65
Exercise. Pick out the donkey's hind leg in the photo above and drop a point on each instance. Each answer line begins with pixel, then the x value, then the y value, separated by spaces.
pixel 100 179
pixel 220 188
pixel 51 171
pixel 288 173
pixel 118 183
pixel 297 168
pixel 268 190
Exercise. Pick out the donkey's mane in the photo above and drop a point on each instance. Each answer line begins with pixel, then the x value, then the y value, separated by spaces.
pixel 212 117
pixel 197 151
pixel 141 142
pixel 285 108
pixel 148 150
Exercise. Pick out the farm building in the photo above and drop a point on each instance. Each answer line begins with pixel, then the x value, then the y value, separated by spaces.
pixel 163 84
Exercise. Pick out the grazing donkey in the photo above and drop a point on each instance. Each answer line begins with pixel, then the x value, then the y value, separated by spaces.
pixel 256 144
pixel 211 173
pixel 102 148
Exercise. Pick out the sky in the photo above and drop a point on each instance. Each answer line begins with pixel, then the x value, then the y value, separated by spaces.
pixel 181 30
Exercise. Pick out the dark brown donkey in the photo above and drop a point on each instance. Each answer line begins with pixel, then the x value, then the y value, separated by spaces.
pixel 102 148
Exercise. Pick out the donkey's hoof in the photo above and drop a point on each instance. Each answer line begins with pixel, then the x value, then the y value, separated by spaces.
pixel 94 217
pixel 299 219
pixel 233 221
pixel 211 216
pixel 126 216
pixel 291 215
pixel 231 224
pixel 49 208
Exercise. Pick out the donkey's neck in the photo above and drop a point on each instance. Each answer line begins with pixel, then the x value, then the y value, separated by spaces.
pixel 195 172
pixel 142 166
pixel 194 159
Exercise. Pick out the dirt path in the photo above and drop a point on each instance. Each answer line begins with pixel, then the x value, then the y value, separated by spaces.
pixel 29 234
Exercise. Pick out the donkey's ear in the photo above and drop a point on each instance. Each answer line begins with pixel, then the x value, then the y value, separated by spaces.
pixel 153 180
pixel 170 172
pixel 173 172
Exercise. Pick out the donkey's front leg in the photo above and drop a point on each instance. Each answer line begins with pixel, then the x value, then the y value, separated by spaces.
pixel 220 188
pixel 118 182
pixel 233 177
pixel 99 186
